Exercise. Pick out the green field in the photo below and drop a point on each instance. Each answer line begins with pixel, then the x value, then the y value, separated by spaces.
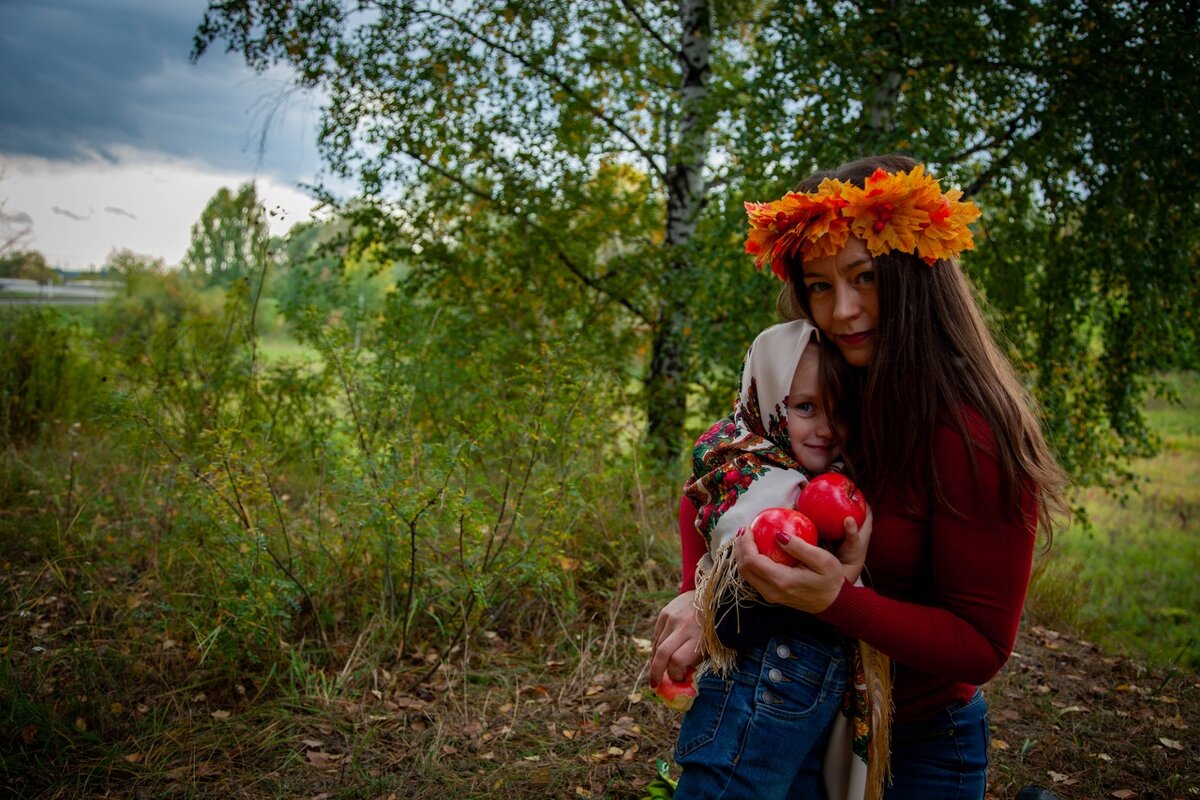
pixel 1128 579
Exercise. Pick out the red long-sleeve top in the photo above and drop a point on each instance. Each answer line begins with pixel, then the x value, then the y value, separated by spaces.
pixel 947 579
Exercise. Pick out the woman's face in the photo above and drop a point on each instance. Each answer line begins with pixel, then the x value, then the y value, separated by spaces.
pixel 843 301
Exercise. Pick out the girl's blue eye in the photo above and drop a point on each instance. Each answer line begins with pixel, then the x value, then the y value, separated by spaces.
pixel 802 408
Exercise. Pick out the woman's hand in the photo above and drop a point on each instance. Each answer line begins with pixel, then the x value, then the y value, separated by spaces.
pixel 853 550
pixel 676 645
pixel 810 586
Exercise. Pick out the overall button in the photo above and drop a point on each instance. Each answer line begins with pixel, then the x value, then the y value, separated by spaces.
pixel 775 675
pixel 783 651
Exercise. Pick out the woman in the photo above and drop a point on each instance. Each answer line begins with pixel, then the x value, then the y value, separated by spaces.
pixel 948 449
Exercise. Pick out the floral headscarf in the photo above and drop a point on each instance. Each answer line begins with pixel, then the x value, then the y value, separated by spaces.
pixel 744 463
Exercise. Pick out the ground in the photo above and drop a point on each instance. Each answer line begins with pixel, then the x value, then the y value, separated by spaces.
pixel 507 718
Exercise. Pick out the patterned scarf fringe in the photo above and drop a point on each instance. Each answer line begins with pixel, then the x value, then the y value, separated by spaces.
pixel 877 669
pixel 714 582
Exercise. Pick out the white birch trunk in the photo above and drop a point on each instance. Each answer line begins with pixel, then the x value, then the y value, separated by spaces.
pixel 666 390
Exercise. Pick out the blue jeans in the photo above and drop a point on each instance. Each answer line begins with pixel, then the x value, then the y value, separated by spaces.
pixel 944 757
pixel 761 733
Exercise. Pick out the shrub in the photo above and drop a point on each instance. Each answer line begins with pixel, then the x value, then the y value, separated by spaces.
pixel 44 375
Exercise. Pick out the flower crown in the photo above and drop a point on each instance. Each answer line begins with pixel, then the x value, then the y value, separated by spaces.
pixel 904 211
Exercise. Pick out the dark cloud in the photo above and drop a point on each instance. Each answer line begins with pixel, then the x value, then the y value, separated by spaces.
pixel 16 218
pixel 62 212
pixel 85 79
pixel 120 212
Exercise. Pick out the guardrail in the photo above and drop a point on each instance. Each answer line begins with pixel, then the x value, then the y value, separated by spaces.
pixel 14 291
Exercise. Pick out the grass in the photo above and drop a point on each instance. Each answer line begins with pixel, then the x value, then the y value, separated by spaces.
pixel 1128 579
pixel 279 345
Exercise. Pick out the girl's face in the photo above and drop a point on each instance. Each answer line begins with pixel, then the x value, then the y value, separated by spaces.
pixel 808 423
pixel 843 301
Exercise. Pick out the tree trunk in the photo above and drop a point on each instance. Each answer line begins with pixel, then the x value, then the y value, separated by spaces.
pixel 880 105
pixel 666 387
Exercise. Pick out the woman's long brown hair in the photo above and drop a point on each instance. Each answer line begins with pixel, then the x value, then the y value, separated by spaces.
pixel 934 356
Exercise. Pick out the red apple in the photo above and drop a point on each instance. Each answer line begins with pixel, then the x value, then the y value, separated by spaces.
pixel 771 521
pixel 678 695
pixel 827 500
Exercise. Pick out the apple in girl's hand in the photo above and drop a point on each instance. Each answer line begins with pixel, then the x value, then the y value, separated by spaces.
pixel 771 521
pixel 677 695
pixel 827 500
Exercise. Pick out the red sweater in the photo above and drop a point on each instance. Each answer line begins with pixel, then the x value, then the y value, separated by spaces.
pixel 946 588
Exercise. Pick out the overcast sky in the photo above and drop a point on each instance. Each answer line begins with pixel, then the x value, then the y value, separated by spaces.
pixel 110 137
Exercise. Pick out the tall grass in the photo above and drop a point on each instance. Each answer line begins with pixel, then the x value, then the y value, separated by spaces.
pixel 1127 578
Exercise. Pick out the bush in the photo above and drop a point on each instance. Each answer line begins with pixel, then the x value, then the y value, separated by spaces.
pixel 44 375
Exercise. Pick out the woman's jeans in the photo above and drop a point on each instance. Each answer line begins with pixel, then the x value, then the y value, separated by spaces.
pixel 761 733
pixel 944 757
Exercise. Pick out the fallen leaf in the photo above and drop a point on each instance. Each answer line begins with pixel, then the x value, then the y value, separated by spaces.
pixel 1104 757
pixel 999 744
pixel 312 744
pixel 625 727
pixel 322 760
pixel 220 715
pixel 643 646
pixel 133 758
pixel 1057 777
pixel 1124 794
pixel 1174 744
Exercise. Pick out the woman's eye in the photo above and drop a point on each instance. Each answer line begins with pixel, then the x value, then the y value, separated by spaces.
pixel 867 277
pixel 803 408
pixel 817 286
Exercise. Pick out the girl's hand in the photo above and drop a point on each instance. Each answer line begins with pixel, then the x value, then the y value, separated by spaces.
pixel 676 647
pixel 810 586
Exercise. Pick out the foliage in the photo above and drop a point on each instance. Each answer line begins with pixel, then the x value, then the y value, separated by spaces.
pixel 1071 122
pixel 230 239
pixel 124 264
pixel 45 376
pixel 29 265
pixel 323 272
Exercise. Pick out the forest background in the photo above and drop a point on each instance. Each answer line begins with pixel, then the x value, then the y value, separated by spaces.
pixel 383 483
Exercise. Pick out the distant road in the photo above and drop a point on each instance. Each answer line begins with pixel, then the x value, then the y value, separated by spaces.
pixel 18 291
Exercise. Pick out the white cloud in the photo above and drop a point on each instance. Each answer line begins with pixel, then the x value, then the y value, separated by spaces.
pixel 160 196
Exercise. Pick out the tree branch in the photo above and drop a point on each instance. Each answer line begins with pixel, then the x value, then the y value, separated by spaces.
pixel 574 269
pixel 999 164
pixel 645 25
pixel 558 81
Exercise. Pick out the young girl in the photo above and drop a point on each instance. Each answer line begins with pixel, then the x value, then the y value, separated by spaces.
pixel 774 675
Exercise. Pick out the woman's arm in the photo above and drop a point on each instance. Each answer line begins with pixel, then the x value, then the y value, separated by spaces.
pixel 979 563
pixel 691 544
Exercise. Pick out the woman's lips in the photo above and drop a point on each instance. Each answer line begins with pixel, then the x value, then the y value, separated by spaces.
pixel 853 339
